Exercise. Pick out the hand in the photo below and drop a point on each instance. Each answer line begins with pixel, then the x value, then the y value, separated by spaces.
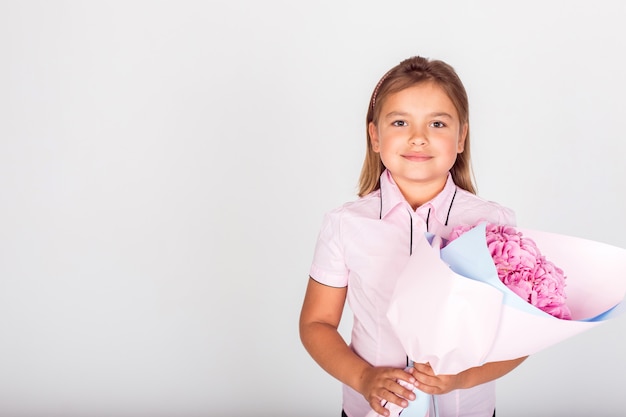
pixel 430 383
pixel 380 385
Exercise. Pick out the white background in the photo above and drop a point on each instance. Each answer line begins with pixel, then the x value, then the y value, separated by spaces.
pixel 165 166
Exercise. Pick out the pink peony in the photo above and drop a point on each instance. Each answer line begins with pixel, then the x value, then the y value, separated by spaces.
pixel 523 269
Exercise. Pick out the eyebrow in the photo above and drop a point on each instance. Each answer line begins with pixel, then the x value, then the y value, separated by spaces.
pixel 404 114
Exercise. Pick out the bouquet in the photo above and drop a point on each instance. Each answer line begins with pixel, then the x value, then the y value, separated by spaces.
pixel 490 295
pixel 523 269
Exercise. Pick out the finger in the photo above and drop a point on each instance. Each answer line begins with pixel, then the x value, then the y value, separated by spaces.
pixel 406 389
pixel 377 406
pixel 392 398
pixel 428 384
pixel 424 368
pixel 429 387
pixel 403 375
pixel 396 388
pixel 422 377
pixel 389 392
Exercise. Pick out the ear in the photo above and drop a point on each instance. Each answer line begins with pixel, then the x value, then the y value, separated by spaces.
pixel 373 132
pixel 462 135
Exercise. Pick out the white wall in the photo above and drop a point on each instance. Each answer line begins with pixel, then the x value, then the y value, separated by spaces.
pixel 165 166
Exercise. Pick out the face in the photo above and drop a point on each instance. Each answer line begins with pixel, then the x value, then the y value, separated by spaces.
pixel 418 136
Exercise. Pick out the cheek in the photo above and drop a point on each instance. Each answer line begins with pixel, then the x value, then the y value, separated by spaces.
pixel 456 144
pixel 451 146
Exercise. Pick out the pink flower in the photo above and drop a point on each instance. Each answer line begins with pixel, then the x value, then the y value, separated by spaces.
pixel 523 269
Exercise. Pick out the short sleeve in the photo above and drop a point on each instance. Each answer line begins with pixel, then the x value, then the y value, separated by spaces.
pixel 329 266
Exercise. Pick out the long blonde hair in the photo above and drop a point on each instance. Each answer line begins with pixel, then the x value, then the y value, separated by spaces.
pixel 408 73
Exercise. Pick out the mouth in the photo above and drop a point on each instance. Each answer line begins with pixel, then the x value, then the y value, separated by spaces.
pixel 417 157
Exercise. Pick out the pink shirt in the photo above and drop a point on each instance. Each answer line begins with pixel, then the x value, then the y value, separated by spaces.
pixel 365 244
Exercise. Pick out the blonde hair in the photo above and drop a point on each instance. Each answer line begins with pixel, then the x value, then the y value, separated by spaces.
pixel 408 73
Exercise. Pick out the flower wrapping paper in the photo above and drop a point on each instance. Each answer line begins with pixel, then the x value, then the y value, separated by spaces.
pixel 450 309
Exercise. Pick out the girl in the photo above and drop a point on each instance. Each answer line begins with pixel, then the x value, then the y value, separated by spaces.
pixel 415 178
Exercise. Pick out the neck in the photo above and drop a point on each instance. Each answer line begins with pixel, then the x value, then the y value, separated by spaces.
pixel 419 193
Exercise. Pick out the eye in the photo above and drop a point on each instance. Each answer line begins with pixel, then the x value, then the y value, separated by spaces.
pixel 399 123
pixel 438 124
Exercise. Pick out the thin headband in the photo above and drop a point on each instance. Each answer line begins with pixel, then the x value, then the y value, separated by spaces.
pixel 378 87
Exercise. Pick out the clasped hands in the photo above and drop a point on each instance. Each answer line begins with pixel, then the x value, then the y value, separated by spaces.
pixel 381 385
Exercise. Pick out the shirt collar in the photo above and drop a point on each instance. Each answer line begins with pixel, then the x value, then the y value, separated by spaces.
pixel 391 197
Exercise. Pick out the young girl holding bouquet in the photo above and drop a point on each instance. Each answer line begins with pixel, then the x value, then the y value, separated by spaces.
pixel 416 178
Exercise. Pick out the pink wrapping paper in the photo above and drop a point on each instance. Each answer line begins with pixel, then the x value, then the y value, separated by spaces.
pixel 455 323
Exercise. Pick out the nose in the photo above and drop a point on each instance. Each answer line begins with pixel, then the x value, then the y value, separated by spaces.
pixel 418 137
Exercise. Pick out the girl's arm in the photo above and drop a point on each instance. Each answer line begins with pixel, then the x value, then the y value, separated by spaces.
pixel 319 319
pixel 430 383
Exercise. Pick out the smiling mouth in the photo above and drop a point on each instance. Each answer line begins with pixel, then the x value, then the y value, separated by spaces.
pixel 417 157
